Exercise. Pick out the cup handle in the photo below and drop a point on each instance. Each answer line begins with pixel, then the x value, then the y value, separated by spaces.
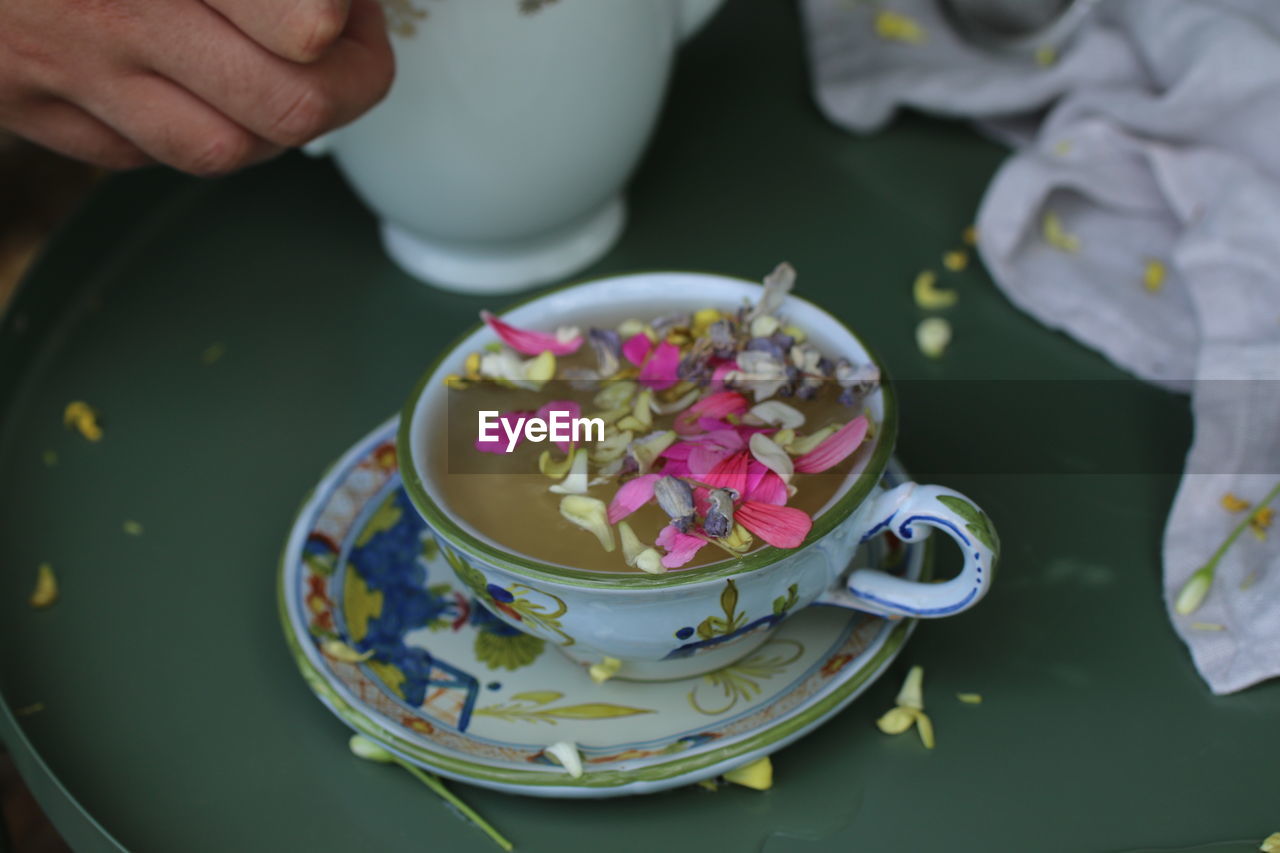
pixel 908 511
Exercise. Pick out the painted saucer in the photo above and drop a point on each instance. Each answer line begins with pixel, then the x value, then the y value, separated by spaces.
pixel 453 689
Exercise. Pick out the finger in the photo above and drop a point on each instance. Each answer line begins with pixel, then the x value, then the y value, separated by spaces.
pixel 69 130
pixel 296 30
pixel 175 127
pixel 284 102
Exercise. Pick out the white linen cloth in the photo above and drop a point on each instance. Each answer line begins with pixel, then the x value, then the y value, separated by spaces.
pixel 1154 136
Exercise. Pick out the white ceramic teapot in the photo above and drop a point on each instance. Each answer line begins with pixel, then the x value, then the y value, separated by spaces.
pixel 498 158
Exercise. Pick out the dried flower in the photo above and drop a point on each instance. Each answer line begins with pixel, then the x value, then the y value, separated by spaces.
pixel 909 710
pixel 955 260
pixel 132 527
pixel 777 285
pixel 645 451
pixel 607 345
pixel 718 522
pixel 1260 521
pixel 970 698
pixel 676 499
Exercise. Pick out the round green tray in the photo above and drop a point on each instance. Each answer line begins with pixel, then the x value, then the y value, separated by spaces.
pixel 173 718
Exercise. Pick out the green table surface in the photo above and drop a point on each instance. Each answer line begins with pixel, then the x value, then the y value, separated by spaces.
pixel 173 717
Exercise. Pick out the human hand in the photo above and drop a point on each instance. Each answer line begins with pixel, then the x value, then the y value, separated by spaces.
pixel 205 86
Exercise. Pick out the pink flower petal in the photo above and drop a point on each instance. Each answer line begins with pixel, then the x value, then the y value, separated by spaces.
pixel 500 446
pixel 675 468
pixel 712 406
pixel 702 459
pixel 632 495
pixel 755 473
pixel 770 490
pixel 659 371
pixel 679 450
pixel 707 424
pixel 835 449
pixel 527 342
pixel 780 526
pixel 725 439
pixel 718 374
pixel 636 349
pixel 681 547
pixel 730 473
pixel 569 406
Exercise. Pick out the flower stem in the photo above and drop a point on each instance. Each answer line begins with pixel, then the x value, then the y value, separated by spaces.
pixel 1210 567
pixel 433 782
pixel 1240 528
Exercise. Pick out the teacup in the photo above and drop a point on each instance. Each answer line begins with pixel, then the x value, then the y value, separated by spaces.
pixel 497 160
pixel 696 620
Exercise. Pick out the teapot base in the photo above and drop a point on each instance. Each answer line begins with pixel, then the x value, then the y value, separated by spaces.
pixel 507 267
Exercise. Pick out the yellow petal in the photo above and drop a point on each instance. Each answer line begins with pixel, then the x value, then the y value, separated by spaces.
pixel 970 698
pixel 575 483
pixel 567 756
pixel 764 326
pixel 632 547
pixel 83 418
pixel 540 369
pixel 369 750
pixel 933 335
pixel 456 382
pixel 928 296
pixel 1232 503
pixel 646 450
pixel 46 591
pixel 631 327
pixel 970 235
pixel 757 775
pixel 339 650
pixel 471 367
pixel 614 395
pixel 912 693
pixel 555 468
pixel 1057 236
pixel 925 727
pixel 649 560
pixel 591 515
pixel 894 26
pixel 702 320
pixel 956 260
pixel 1271 844
pixel 800 445
pixel 796 333
pixel 1153 274
pixel 603 671
pixel 896 720
pixel 611 448
pixel 133 528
